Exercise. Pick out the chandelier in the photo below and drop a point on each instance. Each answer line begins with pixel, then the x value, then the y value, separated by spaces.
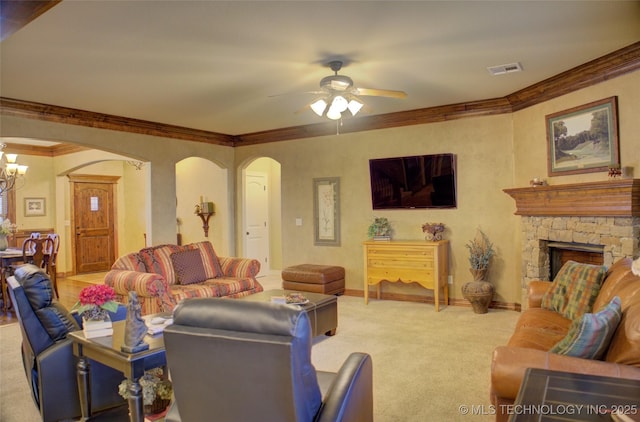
pixel 10 171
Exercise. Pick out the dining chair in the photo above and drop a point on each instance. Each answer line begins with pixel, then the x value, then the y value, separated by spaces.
pixel 37 251
pixel 53 257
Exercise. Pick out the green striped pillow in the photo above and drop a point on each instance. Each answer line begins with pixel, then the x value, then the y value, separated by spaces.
pixel 574 289
pixel 589 337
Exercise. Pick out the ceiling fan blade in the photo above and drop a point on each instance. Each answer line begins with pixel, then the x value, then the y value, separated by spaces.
pixel 307 107
pixel 380 93
pixel 297 93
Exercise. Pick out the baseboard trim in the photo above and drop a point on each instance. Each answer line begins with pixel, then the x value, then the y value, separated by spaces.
pixel 429 299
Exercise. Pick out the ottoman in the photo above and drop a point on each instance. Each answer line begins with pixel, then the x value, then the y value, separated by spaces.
pixel 325 279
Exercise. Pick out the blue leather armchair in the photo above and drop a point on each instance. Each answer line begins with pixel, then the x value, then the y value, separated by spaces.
pixel 47 355
pixel 236 360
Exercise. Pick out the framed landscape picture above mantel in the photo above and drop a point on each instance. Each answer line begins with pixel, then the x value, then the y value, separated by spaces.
pixel 583 139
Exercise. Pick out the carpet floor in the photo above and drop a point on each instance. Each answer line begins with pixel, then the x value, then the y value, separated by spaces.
pixel 426 365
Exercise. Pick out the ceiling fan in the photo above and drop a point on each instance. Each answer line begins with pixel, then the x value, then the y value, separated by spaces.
pixel 338 94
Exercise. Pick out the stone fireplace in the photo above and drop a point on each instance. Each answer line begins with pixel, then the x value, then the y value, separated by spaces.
pixel 599 219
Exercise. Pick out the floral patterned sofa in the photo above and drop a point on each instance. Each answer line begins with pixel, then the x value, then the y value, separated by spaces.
pixel 164 275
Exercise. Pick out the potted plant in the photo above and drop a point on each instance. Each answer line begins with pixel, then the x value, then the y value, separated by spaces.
pixel 480 253
pixel 156 391
pixel 6 228
pixel 479 291
pixel 95 302
pixel 380 229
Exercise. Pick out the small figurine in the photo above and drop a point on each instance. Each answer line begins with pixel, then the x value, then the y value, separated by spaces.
pixel 134 329
pixel 197 210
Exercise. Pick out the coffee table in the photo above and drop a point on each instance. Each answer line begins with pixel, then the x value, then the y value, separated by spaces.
pixel 322 309
pixel 106 350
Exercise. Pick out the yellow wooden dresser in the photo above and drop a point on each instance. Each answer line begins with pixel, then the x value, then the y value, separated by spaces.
pixel 425 263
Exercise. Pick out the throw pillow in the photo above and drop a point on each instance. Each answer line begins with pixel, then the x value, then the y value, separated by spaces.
pixel 188 266
pixel 574 289
pixel 589 337
pixel 209 259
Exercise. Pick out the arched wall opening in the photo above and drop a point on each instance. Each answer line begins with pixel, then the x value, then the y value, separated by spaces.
pixel 201 180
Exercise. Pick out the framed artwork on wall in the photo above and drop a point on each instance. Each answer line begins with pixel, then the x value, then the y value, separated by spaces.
pixel 34 207
pixel 326 211
pixel 583 139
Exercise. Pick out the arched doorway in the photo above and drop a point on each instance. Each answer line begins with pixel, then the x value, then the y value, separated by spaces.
pixel 201 180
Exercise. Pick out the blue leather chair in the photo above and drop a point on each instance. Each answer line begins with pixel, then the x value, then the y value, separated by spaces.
pixel 237 360
pixel 47 354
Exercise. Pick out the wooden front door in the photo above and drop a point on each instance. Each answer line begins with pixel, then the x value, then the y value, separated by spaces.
pixel 93 224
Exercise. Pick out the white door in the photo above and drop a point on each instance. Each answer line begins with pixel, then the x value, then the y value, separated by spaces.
pixel 256 210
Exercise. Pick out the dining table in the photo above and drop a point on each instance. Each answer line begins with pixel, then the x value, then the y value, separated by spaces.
pixel 8 258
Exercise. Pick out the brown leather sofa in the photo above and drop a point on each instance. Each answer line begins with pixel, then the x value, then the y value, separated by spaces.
pixel 538 330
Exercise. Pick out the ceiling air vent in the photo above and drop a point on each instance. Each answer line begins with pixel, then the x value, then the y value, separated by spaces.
pixel 505 68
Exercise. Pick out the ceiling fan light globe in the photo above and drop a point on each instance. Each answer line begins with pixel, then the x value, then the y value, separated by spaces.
pixel 333 113
pixel 354 107
pixel 339 103
pixel 319 106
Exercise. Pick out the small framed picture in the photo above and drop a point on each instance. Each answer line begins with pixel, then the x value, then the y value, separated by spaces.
pixel 583 139
pixel 326 211
pixel 34 207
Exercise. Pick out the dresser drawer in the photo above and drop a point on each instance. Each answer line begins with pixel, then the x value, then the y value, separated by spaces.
pixel 416 252
pixel 407 275
pixel 399 263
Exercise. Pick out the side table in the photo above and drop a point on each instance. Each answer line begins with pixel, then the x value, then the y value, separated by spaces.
pixel 106 350
pixel 554 395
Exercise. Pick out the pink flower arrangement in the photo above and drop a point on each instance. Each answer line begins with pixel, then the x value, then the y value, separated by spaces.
pixel 96 300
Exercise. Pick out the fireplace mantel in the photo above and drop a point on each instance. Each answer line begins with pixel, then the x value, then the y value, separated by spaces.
pixel 614 198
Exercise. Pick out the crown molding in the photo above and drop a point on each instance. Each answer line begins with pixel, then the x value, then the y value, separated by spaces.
pixel 72 116
pixel 617 63
pixel 16 14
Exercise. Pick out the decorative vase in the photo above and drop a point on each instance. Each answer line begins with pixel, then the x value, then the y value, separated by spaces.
pixel 97 326
pixel 433 237
pixel 479 274
pixel 433 232
pixel 480 294
pixel 159 405
pixel 3 242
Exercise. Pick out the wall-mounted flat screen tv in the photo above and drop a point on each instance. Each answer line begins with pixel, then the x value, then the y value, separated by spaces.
pixel 421 181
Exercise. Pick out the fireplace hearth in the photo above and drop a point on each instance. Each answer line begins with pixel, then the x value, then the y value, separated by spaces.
pixel 561 252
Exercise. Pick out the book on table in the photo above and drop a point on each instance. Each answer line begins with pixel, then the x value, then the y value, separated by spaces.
pixel 101 332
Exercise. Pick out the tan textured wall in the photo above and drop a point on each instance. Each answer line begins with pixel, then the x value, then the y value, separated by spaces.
pixel 493 153
pixel 483 149
pixel 530 141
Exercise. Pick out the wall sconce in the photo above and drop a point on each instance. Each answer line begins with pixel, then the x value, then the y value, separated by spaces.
pixel 205 210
